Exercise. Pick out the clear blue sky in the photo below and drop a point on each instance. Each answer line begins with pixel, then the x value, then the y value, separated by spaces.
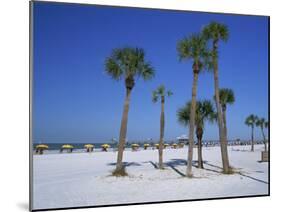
pixel 75 101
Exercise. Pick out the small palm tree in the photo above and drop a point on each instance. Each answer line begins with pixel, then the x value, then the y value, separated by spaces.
pixel 251 122
pixel 215 32
pixel 127 64
pixel 193 48
pixel 204 112
pixel 161 93
pixel 262 123
pixel 226 98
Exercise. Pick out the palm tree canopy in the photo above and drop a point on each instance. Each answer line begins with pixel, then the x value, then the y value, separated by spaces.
pixel 160 92
pixel 261 122
pixel 226 96
pixel 216 31
pixel 194 48
pixel 204 112
pixel 251 120
pixel 128 63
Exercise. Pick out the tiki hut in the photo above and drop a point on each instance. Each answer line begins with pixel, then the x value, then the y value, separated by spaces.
pixel 89 147
pixel 39 149
pixel 69 148
pixel 135 147
pixel 180 145
pixel 156 146
pixel 174 145
pixel 145 146
pixel 104 147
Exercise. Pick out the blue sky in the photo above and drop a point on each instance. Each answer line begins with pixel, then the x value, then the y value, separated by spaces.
pixel 75 101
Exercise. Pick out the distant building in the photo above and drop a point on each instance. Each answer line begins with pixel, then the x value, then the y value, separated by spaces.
pixel 182 139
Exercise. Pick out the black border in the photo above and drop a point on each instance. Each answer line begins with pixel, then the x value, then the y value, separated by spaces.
pixel 30 107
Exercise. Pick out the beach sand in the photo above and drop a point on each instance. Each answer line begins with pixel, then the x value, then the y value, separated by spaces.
pixel 84 179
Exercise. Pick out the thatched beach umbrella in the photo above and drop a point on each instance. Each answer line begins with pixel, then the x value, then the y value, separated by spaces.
pixel 145 146
pixel 69 148
pixel 89 147
pixel 40 148
pixel 105 147
pixel 174 145
pixel 181 145
pixel 135 147
pixel 156 146
pixel 166 145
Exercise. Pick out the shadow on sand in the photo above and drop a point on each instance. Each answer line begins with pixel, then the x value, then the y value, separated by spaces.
pixel 125 164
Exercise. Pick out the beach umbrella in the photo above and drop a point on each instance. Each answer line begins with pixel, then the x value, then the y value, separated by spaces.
pixel 166 145
pixel 174 145
pixel 156 145
pixel 145 146
pixel 89 147
pixel 135 147
pixel 40 148
pixel 181 145
pixel 105 147
pixel 67 147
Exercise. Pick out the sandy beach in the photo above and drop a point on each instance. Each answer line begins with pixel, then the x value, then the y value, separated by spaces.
pixel 84 179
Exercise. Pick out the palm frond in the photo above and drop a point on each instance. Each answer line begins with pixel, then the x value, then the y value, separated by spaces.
pixel 227 96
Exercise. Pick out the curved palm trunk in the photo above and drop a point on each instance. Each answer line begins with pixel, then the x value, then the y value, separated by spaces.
pixel 123 131
pixel 264 140
pixel 224 121
pixel 252 139
pixel 191 124
pixel 199 134
pixel 162 126
pixel 223 139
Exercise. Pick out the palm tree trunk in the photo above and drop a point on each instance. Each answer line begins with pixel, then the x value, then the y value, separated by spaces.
pixel 264 140
pixel 252 138
pixel 224 121
pixel 199 133
pixel 123 131
pixel 162 126
pixel 191 124
pixel 223 141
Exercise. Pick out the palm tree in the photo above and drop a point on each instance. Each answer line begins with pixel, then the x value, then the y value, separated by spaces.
pixel 226 98
pixel 262 123
pixel 193 48
pixel 161 93
pixel 216 32
pixel 251 122
pixel 204 112
pixel 127 64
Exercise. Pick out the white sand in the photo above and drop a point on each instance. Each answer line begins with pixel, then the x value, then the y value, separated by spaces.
pixel 83 179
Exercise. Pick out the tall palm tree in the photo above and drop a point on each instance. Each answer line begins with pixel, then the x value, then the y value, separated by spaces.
pixel 226 98
pixel 251 122
pixel 161 93
pixel 127 64
pixel 216 32
pixel 262 123
pixel 193 48
pixel 204 112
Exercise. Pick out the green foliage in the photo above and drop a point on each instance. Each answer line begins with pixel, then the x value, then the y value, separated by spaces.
pixel 194 48
pixel 128 63
pixel 216 31
pixel 262 123
pixel 251 120
pixel 226 97
pixel 204 112
pixel 160 92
